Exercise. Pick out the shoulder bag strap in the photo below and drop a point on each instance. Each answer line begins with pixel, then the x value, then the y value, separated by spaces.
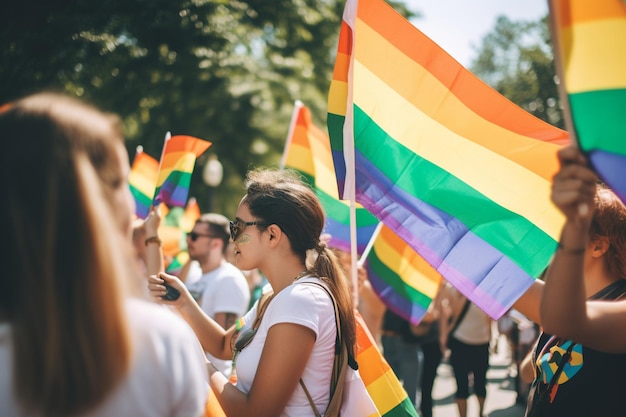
pixel 340 364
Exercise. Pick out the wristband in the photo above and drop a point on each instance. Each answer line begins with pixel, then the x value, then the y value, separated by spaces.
pixel 153 239
pixel 573 251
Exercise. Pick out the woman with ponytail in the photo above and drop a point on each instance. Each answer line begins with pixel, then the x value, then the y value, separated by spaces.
pixel 284 367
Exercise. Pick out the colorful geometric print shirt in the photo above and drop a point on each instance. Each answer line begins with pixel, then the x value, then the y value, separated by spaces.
pixel 575 380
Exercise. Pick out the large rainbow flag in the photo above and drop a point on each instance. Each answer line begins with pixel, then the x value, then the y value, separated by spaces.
pixel 381 382
pixel 590 50
pixel 176 166
pixel 307 150
pixel 142 180
pixel 455 169
pixel 405 282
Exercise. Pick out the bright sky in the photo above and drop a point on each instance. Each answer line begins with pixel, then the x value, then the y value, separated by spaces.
pixel 459 25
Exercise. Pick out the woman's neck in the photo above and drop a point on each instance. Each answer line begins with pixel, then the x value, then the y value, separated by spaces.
pixel 283 276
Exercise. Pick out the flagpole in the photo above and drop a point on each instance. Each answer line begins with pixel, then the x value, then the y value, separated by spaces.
pixel 370 244
pixel 292 126
pixel 168 135
pixel 353 254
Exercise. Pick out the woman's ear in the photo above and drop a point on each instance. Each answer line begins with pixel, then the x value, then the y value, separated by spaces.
pixel 275 234
pixel 599 246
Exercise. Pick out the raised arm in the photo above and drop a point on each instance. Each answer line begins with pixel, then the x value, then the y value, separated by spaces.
pixel 154 250
pixel 564 309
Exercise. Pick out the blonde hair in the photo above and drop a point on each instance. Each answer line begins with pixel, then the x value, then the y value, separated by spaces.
pixel 67 258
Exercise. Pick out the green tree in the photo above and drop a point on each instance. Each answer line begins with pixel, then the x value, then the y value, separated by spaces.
pixel 227 71
pixel 516 58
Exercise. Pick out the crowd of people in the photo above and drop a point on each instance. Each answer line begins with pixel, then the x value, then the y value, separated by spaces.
pixel 90 324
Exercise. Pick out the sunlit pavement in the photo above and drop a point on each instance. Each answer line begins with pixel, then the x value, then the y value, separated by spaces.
pixel 501 395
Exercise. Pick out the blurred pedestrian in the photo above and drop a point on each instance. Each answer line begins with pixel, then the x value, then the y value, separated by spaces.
pixel 73 340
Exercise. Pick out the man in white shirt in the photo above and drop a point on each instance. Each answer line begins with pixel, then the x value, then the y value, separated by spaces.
pixel 222 291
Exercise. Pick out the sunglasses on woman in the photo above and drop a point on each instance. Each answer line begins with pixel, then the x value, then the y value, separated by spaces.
pixel 238 226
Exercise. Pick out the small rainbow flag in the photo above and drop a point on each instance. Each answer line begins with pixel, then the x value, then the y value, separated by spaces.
pixel 405 282
pixel 142 180
pixel 307 150
pixel 381 382
pixel 177 162
pixel 590 51
pixel 455 169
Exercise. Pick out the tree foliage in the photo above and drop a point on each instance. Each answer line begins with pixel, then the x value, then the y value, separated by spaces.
pixel 516 58
pixel 227 71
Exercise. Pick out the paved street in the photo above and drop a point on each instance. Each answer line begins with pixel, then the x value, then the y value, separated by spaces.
pixel 500 400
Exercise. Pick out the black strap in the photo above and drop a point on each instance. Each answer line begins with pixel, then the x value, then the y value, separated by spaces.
pixel 553 380
pixel 613 291
pixel 458 320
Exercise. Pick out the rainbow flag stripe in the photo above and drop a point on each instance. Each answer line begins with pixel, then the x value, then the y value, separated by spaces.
pixel 179 157
pixel 177 263
pixel 191 214
pixel 308 151
pixel 591 60
pixel 455 169
pixel 142 180
pixel 401 277
pixel 381 382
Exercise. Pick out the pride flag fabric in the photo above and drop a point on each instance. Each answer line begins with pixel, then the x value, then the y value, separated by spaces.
pixel 177 162
pixel 176 223
pixel 383 386
pixel 190 215
pixel 307 150
pixel 176 265
pixel 142 180
pixel 455 169
pixel 590 50
pixel 405 282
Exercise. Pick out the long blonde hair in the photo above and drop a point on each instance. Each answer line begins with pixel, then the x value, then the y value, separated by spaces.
pixel 67 258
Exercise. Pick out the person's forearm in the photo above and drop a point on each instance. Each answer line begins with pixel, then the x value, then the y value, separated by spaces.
pixel 154 251
pixel 529 303
pixel 211 335
pixel 563 303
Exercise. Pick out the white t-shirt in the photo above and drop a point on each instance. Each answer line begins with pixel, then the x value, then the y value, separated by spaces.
pixel 224 290
pixel 310 306
pixel 167 376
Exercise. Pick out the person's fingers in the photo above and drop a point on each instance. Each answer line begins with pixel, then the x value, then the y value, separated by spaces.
pixel 156 287
pixel 571 155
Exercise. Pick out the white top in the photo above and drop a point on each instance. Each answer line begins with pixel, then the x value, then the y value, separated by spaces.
pixel 224 290
pixel 310 306
pixel 475 327
pixel 167 376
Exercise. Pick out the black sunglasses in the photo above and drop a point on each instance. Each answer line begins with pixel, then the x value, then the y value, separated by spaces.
pixel 238 226
pixel 193 236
